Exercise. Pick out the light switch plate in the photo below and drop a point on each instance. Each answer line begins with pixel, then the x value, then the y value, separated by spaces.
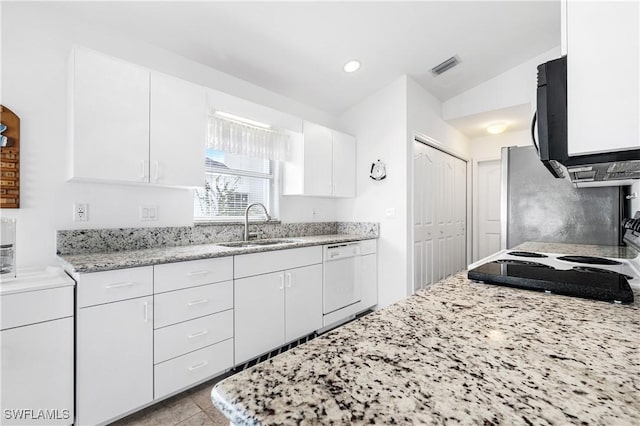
pixel 148 212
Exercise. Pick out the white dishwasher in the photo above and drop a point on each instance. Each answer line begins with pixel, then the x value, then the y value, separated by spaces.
pixel 342 284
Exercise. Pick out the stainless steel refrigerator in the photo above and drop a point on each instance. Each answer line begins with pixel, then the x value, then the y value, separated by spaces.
pixel 539 207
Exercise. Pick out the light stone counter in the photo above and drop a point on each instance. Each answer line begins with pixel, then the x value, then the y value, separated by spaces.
pixel 455 353
pixel 95 262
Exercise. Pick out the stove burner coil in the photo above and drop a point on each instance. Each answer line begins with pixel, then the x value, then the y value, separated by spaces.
pixel 589 260
pixel 523 263
pixel 526 254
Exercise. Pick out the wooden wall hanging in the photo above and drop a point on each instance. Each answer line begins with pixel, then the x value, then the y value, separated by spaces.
pixel 9 159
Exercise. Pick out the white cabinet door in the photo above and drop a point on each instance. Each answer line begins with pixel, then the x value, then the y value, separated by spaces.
pixel 114 371
pixel 317 160
pixel 36 366
pixel 303 301
pixel 603 76
pixel 259 315
pixel 110 118
pixel 178 131
pixel 344 165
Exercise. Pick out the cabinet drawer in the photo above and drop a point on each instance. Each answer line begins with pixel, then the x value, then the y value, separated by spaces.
pixel 247 265
pixel 110 286
pixel 176 276
pixel 179 339
pixel 181 372
pixel 35 306
pixel 183 305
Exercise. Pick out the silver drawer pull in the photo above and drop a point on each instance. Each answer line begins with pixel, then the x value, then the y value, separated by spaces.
pixel 195 367
pixel 198 334
pixel 197 273
pixel 120 285
pixel 198 302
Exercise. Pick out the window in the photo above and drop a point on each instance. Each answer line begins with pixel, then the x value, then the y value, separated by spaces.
pixel 232 182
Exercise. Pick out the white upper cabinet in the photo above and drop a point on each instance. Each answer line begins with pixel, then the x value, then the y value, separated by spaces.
pixel 130 124
pixel 110 118
pixel 178 131
pixel 603 75
pixel 322 164
pixel 318 159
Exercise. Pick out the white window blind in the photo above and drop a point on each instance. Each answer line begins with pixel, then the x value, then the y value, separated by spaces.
pixel 232 183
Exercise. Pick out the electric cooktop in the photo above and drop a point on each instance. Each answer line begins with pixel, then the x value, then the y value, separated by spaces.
pixel 588 283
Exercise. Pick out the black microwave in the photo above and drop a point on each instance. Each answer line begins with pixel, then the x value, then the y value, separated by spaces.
pixel 551 142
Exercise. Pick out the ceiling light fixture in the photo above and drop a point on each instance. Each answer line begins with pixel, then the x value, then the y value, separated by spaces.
pixel 242 120
pixel 352 66
pixel 496 128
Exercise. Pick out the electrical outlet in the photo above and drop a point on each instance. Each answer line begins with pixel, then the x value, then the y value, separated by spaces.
pixel 80 212
pixel 148 212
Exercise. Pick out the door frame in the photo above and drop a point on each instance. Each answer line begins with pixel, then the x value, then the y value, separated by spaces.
pixel 474 206
pixel 433 143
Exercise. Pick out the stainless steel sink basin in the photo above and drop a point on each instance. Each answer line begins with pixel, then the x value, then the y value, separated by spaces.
pixel 256 243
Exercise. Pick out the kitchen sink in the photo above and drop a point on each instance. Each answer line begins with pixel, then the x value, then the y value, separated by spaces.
pixel 256 243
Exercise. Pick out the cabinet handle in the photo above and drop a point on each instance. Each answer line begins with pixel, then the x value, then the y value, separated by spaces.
pixel 120 285
pixel 195 367
pixel 197 273
pixel 281 287
pixel 197 302
pixel 156 173
pixel 146 312
pixel 198 334
pixel 289 279
pixel 143 173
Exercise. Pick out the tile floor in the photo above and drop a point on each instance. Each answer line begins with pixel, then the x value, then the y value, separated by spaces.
pixel 190 408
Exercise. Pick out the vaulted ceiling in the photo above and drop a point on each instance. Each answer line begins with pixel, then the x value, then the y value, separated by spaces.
pixel 298 49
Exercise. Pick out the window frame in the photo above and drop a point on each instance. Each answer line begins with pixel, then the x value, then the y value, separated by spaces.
pixel 274 193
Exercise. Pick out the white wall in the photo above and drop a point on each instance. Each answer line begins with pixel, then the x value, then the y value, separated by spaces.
pixel 36 42
pixel 489 147
pixel 379 124
pixel 516 86
pixel 384 125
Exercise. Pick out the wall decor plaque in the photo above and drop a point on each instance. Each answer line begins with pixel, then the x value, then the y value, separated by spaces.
pixel 9 159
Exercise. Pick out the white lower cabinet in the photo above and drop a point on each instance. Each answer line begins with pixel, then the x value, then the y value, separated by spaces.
pixel 276 308
pixel 37 372
pixel 114 372
pixel 193 367
pixel 303 302
pixel 145 333
pixel 173 341
pixel 259 315
pixel 36 348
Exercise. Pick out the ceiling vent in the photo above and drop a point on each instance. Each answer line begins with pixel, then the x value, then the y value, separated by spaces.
pixel 446 65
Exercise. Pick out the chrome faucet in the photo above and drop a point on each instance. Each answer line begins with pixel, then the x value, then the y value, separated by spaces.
pixel 246 218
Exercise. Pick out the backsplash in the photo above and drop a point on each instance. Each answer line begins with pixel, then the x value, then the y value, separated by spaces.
pixel 80 241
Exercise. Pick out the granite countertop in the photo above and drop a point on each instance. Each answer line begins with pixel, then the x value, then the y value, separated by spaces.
pixel 456 353
pixel 96 262
pixel 579 249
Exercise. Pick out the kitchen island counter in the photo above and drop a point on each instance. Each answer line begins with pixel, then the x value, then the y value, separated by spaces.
pixel 456 353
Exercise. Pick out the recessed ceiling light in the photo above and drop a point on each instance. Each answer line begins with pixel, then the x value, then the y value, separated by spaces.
pixel 352 66
pixel 496 128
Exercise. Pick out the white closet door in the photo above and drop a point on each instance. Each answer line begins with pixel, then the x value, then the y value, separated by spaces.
pixel 440 182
